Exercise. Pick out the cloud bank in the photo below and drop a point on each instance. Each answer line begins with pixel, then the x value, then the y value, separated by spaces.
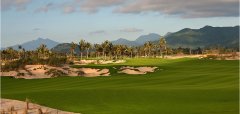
pixel 181 8
pixel 185 8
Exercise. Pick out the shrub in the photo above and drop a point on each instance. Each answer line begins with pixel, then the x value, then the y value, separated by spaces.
pixel 20 74
pixel 55 73
pixel 71 63
pixel 54 61
pixel 81 73
pixel 211 57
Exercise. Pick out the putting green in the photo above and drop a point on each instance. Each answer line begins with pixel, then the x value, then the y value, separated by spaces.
pixel 181 86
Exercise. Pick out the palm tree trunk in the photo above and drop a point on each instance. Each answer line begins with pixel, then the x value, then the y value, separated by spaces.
pixel 160 53
pixel 149 52
pixel 81 55
pixel 103 53
pixel 87 53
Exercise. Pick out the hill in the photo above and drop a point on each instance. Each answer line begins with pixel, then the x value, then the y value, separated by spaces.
pixel 32 45
pixel 64 48
pixel 139 41
pixel 124 42
pixel 205 37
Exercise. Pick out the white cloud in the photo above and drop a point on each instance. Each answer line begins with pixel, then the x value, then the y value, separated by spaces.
pixel 181 8
pixel 131 30
pixel 92 6
pixel 184 8
pixel 97 32
pixel 15 4
pixel 69 9
pixel 45 8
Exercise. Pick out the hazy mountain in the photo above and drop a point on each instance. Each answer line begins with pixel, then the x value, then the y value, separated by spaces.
pixel 167 34
pixel 32 45
pixel 150 37
pixel 125 42
pixel 64 48
pixel 193 38
pixel 205 37
pixel 139 41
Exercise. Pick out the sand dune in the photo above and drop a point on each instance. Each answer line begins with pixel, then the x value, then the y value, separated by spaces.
pixel 136 70
pixel 9 106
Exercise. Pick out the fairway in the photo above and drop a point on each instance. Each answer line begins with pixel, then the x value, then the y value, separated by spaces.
pixel 180 86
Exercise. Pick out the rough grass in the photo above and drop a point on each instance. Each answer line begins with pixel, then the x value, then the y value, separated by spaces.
pixel 183 86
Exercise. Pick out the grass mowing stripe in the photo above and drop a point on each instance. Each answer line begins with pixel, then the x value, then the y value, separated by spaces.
pixel 183 86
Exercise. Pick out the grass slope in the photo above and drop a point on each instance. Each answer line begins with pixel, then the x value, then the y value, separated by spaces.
pixel 184 86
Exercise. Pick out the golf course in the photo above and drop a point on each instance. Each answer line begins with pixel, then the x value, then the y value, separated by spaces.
pixel 178 86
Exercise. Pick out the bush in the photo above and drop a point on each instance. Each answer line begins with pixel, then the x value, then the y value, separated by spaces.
pixel 55 73
pixel 54 61
pixel 211 57
pixel 71 63
pixel 81 73
pixel 20 74
pixel 14 65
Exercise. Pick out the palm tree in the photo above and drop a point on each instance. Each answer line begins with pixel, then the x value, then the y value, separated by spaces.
pixel 72 48
pixel 19 51
pixel 162 46
pixel 155 47
pixel 147 48
pixel 105 45
pixel 117 51
pixel 24 53
pixel 11 53
pixel 138 51
pixel 88 46
pixel 82 47
pixel 150 46
pixel 130 49
pixel 97 48
pixel 42 50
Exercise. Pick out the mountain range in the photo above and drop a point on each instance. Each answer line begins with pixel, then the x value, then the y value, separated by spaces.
pixel 204 37
pixel 139 41
pixel 34 44
pixel 192 38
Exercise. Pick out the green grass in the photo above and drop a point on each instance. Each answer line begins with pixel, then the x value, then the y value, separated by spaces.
pixel 183 86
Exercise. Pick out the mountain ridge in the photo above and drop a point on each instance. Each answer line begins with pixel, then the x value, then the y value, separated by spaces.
pixel 138 41
pixel 33 44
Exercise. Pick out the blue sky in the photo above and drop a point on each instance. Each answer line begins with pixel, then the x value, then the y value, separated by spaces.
pixel 99 20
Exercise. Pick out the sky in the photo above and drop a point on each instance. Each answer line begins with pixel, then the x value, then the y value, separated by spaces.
pixel 99 20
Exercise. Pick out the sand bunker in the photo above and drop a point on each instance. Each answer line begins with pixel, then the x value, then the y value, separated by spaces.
pixel 90 72
pixel 9 106
pixel 45 71
pixel 136 70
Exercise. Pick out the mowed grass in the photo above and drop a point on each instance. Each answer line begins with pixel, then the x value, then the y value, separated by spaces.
pixel 181 86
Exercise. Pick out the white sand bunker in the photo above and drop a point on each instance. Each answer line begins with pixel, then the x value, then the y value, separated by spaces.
pixel 90 72
pixel 136 70
pixel 9 106
pixel 45 71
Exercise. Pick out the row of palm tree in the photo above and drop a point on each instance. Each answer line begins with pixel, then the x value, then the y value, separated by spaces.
pixel 42 52
pixel 107 49
pixel 103 50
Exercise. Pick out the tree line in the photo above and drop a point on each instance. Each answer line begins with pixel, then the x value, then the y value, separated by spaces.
pixel 105 50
